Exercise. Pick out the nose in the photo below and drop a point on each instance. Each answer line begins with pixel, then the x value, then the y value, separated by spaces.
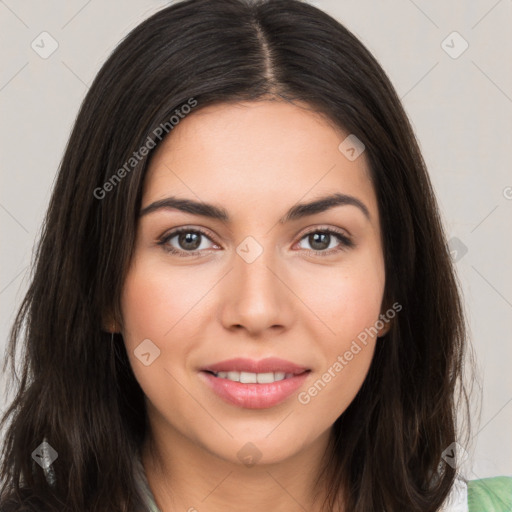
pixel 255 296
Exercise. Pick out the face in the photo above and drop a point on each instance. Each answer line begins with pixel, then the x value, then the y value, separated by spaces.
pixel 260 282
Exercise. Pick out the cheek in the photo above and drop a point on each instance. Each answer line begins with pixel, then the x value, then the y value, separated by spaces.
pixel 155 300
pixel 345 298
pixel 164 306
pixel 144 301
pixel 152 303
pixel 347 350
pixel 335 387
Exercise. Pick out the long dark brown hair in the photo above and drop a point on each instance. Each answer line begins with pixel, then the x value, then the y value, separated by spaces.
pixel 77 390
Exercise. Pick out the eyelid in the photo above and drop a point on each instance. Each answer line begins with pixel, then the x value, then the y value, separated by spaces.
pixel 316 227
pixel 177 230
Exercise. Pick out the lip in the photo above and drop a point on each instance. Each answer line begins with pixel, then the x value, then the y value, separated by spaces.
pixel 253 396
pixel 269 364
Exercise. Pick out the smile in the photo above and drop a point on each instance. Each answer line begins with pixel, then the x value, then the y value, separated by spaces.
pixel 253 390
pixel 253 378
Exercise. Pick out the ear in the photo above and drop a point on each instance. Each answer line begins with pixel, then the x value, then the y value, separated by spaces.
pixel 387 325
pixel 386 318
pixel 109 323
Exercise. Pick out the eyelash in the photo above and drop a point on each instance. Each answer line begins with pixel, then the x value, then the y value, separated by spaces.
pixel 345 242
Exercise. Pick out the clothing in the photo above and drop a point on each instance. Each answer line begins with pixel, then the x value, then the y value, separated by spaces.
pixel 490 494
pixel 143 486
pixel 482 495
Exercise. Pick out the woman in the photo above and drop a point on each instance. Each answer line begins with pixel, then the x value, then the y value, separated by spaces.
pixel 242 295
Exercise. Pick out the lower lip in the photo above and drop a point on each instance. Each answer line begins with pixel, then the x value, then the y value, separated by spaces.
pixel 254 396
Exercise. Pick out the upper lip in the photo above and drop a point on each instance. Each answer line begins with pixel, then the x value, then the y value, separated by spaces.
pixel 267 365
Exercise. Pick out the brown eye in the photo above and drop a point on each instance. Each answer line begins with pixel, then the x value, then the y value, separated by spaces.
pixel 327 241
pixel 319 241
pixel 188 241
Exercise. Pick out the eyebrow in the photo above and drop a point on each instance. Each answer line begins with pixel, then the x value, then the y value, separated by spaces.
pixel 297 211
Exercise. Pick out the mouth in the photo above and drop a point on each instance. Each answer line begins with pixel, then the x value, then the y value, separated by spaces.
pixel 253 390
pixel 247 367
pixel 255 378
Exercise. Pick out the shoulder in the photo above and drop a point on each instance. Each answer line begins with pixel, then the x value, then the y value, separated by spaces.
pixel 490 494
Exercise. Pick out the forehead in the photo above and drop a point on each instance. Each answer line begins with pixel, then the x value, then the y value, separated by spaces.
pixel 263 154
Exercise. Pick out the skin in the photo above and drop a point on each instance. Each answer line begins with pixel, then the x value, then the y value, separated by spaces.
pixel 256 160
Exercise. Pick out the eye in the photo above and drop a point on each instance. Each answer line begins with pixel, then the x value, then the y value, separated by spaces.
pixel 190 243
pixel 322 239
pixel 188 240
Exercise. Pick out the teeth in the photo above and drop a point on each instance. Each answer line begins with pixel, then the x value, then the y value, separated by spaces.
pixel 253 378
pixel 233 376
pixel 248 378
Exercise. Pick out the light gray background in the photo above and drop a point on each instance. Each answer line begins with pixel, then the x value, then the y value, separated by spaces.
pixel 461 110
